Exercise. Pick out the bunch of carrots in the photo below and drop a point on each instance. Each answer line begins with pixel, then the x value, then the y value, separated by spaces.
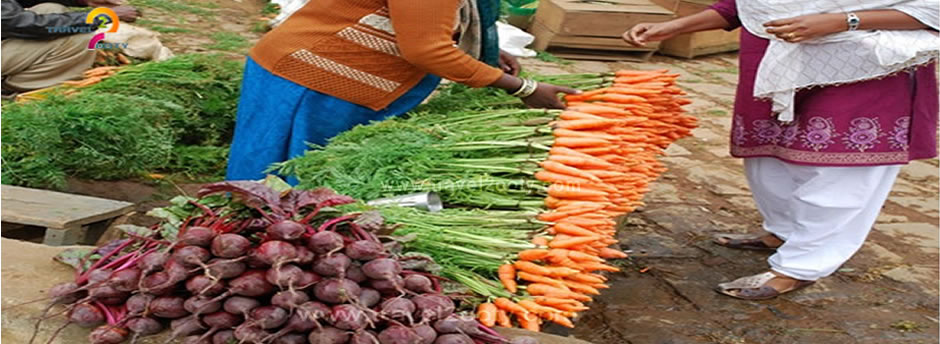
pixel 603 157
pixel 89 77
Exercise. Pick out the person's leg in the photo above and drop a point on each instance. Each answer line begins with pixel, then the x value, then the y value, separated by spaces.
pixel 34 64
pixel 833 209
pixel 771 186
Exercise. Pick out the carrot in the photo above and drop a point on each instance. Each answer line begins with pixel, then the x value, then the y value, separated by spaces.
pixel 619 98
pixel 580 142
pixel 541 289
pixel 580 162
pixel 486 314
pixel 561 271
pixel 529 322
pixel 594 266
pixel 581 288
pixel 536 308
pixel 596 109
pixel 555 215
pixel 540 241
pixel 584 278
pixel 509 306
pixel 583 257
pixel 611 253
pixel 556 167
pixel 558 178
pixel 502 319
pixel 574 115
pixel 566 192
pixel 571 229
pixel 583 124
pixel 567 307
pixel 555 301
pixel 531 268
pixel 541 279
pixel 565 243
pixel 561 320
pixel 507 275
pixel 630 72
pixel 586 222
pixel 532 254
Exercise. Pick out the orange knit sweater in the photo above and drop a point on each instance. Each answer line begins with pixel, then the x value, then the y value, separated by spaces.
pixel 370 52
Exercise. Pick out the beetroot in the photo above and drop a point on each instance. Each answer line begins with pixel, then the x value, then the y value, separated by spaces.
pixel 185 326
pixel 204 285
pixel 138 304
pixel 363 337
pixel 398 308
pixel 196 339
pixel 348 317
pixel 291 338
pixel 388 287
pixel 308 279
pixel 297 323
pixel 289 299
pixel 275 252
pixel 240 305
pixel 354 272
pixel 225 268
pixel 191 256
pixel 196 236
pixel 65 293
pixel 221 320
pixel 427 333
pixel 369 297
pixel 304 255
pixel 333 265
pixel 251 283
pixel 107 334
pixel 201 304
pixel 397 334
pixel 105 291
pixel 224 337
pixel 230 245
pixel 125 280
pixel 169 307
pixel 419 284
pixel 284 276
pixel 325 242
pixel 336 290
pixel 433 306
pixel 153 261
pixel 382 269
pixel 176 271
pixel 453 338
pixel 144 326
pixel 249 333
pixel 157 283
pixel 86 315
pixel 313 311
pixel 285 230
pixel 364 250
pixel 328 335
pixel 451 324
pixel 98 276
pixel 268 317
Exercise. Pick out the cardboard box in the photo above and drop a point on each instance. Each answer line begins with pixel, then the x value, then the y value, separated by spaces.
pixel 606 18
pixel 699 43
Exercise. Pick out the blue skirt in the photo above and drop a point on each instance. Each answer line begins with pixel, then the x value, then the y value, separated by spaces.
pixel 277 119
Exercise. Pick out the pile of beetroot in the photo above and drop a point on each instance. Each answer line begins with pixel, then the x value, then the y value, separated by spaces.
pixel 279 270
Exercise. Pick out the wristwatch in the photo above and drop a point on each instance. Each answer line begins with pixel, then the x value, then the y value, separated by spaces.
pixel 852 20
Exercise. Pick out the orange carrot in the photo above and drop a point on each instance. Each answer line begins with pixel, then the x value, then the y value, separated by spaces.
pixel 509 306
pixel 541 279
pixel 556 167
pixel 540 241
pixel 561 271
pixel 581 288
pixel 531 267
pixel 580 162
pixel 566 192
pixel 561 320
pixel 574 115
pixel 585 133
pixel 529 322
pixel 584 124
pixel 486 314
pixel 611 253
pixel 507 275
pixel 585 278
pixel 595 266
pixel 565 243
pixel 541 289
pixel 558 178
pixel 571 229
pixel 583 257
pixel 580 142
pixel 532 254
pixel 502 319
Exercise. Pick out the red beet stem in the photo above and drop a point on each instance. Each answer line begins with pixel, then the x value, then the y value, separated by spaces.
pixel 84 276
pixel 204 208
pixel 326 225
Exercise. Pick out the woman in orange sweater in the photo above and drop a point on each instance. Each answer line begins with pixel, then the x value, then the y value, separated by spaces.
pixel 335 64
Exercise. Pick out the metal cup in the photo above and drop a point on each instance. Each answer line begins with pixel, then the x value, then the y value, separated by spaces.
pixel 428 201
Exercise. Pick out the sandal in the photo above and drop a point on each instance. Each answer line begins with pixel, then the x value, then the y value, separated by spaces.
pixel 755 288
pixel 743 242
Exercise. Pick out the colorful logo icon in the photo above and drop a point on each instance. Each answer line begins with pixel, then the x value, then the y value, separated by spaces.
pixel 98 12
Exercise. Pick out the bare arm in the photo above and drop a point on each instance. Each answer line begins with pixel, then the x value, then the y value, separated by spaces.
pixel 643 33
pixel 802 28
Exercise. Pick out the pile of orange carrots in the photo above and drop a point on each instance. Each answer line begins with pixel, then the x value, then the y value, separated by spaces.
pixel 600 165
pixel 89 77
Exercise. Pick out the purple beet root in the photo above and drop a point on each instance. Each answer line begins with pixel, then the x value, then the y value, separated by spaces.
pixel 224 337
pixel 86 315
pixel 354 272
pixel 144 326
pixel 230 245
pixel 369 297
pixel 348 317
pixel 197 236
pixel 222 268
pixel 275 252
pixel 325 242
pixel 364 250
pixel 382 269
pixel 107 334
pixel 419 284
pixel 65 293
pixel 284 276
pixel 201 304
pixel 203 285
pixel 191 256
pixel 169 307
pixel 291 338
pixel 398 308
pixel 397 334
pixel 328 335
pixel 363 337
pixel 126 280
pixel 335 290
pixel 285 230
pixel 289 299
pixel 269 317
pixel 240 305
pixel 433 306
pixel 251 283
pixel 453 338
pixel 426 332
pixel 333 265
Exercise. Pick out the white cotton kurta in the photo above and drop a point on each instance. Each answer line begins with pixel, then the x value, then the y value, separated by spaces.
pixel 822 213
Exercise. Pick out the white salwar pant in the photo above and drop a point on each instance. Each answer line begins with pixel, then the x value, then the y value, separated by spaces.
pixel 822 213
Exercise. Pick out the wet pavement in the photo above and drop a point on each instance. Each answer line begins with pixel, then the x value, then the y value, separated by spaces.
pixel 887 293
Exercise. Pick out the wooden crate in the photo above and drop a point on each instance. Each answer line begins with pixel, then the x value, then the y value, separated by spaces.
pixel 587 47
pixel 700 43
pixel 606 18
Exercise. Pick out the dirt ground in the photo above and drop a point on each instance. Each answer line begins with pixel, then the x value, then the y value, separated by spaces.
pixel 887 293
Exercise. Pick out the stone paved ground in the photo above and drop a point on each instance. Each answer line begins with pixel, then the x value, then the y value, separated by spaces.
pixel 887 293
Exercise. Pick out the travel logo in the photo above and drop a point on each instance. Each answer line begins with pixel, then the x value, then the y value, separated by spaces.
pixel 102 12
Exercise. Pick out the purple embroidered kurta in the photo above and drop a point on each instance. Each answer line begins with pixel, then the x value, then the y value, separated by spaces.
pixel 891 120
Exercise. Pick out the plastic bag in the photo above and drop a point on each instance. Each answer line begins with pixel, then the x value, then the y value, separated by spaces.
pixel 141 43
pixel 514 41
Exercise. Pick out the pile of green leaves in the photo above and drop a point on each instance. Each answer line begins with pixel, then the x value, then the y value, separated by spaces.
pixel 172 116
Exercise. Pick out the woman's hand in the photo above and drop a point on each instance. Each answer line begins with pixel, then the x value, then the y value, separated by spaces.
pixel 509 63
pixel 643 33
pixel 546 96
pixel 804 28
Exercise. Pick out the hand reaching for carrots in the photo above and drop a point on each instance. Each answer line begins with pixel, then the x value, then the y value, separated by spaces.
pixel 546 96
pixel 643 33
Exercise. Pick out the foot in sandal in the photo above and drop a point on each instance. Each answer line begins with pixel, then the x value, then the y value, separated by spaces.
pixel 765 242
pixel 762 286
